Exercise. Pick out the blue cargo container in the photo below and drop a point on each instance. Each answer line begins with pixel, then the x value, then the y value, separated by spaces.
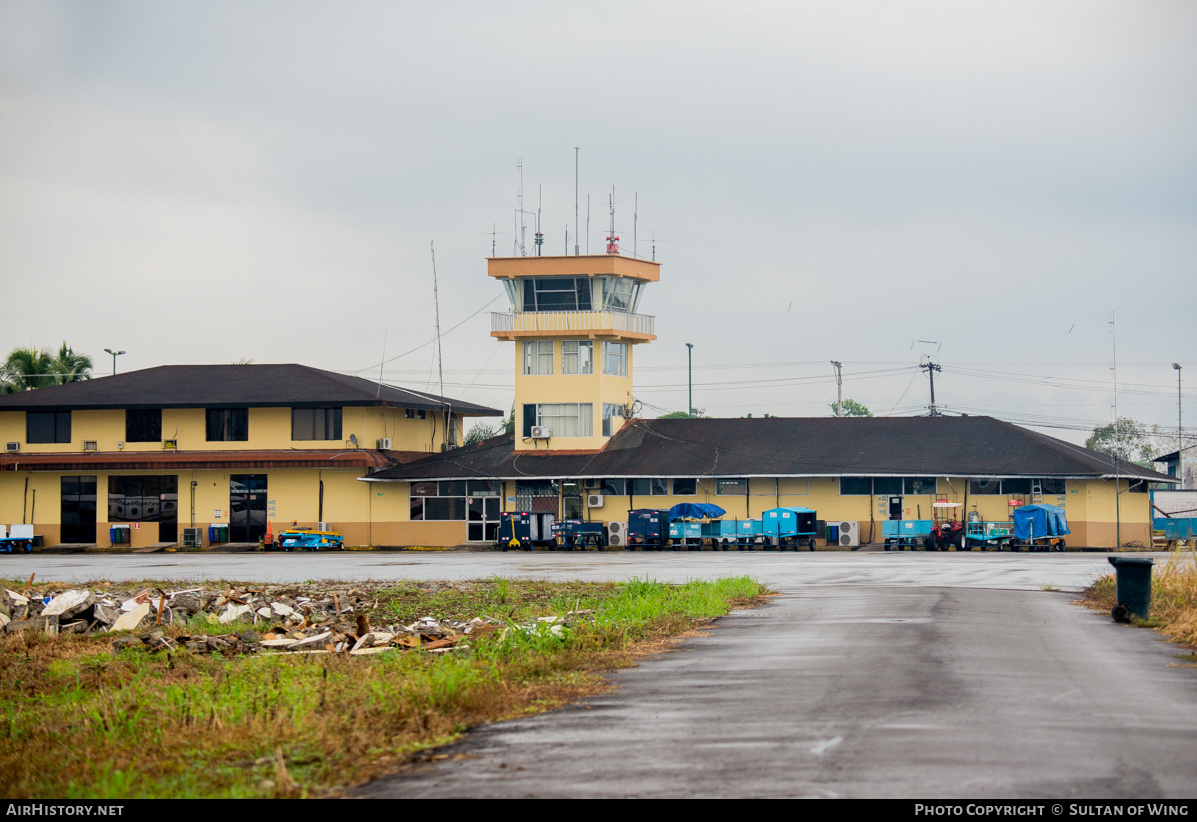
pixel 906 533
pixel 648 529
pixel 731 533
pixel 785 527
pixel 686 533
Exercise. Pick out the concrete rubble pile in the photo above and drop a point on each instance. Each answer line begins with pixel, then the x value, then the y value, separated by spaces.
pixel 289 619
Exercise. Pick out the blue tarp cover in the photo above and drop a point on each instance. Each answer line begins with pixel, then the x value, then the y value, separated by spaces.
pixel 695 510
pixel 1044 520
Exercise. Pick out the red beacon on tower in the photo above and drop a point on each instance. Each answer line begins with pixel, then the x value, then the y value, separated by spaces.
pixel 612 244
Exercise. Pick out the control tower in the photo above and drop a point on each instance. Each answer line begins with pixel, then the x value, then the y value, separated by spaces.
pixel 574 324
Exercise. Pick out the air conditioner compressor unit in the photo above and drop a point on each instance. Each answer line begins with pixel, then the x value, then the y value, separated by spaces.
pixel 384 444
pixel 594 500
pixel 849 534
pixel 617 534
pixel 540 432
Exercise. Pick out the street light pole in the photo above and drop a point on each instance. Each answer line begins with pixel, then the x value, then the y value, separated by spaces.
pixel 1180 472
pixel 690 378
pixel 114 354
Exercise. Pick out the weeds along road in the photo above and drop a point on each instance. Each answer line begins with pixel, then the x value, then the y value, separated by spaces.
pixel 871 675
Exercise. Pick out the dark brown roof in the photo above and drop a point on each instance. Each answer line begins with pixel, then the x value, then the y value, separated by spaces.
pixel 230 386
pixel 779 447
pixel 186 460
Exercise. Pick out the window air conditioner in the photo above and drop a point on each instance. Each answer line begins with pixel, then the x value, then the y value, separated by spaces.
pixel 384 444
pixel 594 500
pixel 540 432
pixel 13 446
pixel 90 445
pixel 849 534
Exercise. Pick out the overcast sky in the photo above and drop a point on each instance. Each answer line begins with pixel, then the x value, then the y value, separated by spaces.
pixel 206 182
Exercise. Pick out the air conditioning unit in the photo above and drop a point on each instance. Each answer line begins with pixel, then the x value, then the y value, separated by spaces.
pixel 323 526
pixel 13 446
pixel 594 500
pixel 91 445
pixel 592 483
pixel 193 537
pixel 384 444
pixel 170 445
pixel 617 534
pixel 849 534
pixel 540 432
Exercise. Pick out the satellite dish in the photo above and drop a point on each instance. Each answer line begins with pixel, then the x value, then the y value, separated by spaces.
pixel 353 440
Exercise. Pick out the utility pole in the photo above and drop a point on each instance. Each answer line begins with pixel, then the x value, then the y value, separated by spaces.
pixel 1180 445
pixel 690 377
pixel 839 394
pixel 931 367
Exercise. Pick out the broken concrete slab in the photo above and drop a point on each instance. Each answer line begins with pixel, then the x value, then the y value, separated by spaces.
pixel 69 603
pixel 132 618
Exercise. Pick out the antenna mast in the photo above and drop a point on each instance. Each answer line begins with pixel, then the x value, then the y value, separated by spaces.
pixel 440 365
pixel 577 250
pixel 635 217
pixel 520 208
pixel 612 240
pixel 539 240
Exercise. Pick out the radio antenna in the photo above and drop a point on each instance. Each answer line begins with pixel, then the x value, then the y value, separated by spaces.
pixel 577 250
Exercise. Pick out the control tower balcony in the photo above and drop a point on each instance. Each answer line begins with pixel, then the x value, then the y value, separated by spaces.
pixel 512 325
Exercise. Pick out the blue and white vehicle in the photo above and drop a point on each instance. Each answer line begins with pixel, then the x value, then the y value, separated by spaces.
pixel 16 540
pixel 298 539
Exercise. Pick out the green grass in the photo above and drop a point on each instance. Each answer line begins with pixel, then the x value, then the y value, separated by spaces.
pixel 79 721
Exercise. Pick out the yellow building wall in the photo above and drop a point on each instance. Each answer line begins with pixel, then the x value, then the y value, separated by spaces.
pixel 269 429
pixel 596 389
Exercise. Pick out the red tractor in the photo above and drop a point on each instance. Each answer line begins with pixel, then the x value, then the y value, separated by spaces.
pixel 947 530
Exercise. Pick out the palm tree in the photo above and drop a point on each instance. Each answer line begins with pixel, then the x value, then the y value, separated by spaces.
pixel 72 367
pixel 29 368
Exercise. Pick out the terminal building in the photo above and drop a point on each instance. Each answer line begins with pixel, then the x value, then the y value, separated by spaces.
pixel 576 452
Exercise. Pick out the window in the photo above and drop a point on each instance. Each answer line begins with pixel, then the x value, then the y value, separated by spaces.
pixel 650 487
pixel 919 485
pixel 615 359
pixel 856 486
pixel 409 413
pixel 986 485
pixel 685 487
pixel 557 294
pixel 736 487
pixel 48 426
pixel 143 425
pixel 422 414
pixel 563 419
pixel 610 411
pixel 144 499
pixel 476 501
pixel 228 424
pixel 887 485
pixel 538 357
pixel 1051 486
pixel 315 423
pixel 620 294
pixel 577 357
pixel 1017 485
pixel 615 487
